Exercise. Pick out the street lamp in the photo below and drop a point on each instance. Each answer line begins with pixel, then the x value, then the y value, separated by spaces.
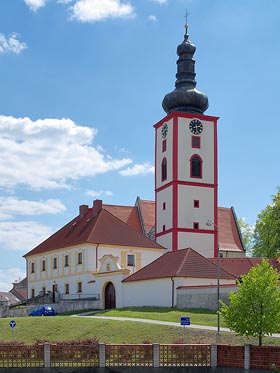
pixel 210 223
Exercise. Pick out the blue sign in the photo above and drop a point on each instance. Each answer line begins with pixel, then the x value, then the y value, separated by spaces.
pixel 185 321
pixel 13 324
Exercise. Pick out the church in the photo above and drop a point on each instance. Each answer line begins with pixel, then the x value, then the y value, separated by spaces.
pixel 155 253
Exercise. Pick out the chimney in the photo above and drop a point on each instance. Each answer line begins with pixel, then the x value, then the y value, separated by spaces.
pixel 83 209
pixel 97 207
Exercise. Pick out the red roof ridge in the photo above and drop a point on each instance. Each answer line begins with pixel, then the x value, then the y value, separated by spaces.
pixel 184 259
pixel 109 204
pixel 124 223
pixel 98 217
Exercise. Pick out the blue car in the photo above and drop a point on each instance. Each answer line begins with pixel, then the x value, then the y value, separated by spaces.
pixel 43 311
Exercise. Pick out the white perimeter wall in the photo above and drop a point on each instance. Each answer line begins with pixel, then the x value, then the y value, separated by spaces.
pixel 148 293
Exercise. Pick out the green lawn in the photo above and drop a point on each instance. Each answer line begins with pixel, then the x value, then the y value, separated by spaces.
pixel 63 328
pixel 197 316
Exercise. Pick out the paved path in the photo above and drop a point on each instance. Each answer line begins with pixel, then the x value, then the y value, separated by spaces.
pixel 148 321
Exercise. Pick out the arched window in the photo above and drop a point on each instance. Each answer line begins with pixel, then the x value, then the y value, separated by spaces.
pixel 196 166
pixel 164 169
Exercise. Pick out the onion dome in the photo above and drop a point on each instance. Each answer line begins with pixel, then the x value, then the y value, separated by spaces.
pixel 185 97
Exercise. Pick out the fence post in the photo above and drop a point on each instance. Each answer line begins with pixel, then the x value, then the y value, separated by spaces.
pixel 156 351
pixel 102 355
pixel 247 357
pixel 214 355
pixel 47 355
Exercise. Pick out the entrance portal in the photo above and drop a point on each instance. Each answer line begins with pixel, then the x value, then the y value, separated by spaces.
pixel 110 296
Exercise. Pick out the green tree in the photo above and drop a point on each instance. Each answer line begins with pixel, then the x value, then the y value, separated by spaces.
pixel 267 230
pixel 247 232
pixel 254 310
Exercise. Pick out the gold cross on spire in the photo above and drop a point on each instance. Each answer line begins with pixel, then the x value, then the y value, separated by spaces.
pixel 186 24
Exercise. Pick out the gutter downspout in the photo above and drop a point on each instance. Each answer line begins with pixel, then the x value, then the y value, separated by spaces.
pixel 96 256
pixel 172 292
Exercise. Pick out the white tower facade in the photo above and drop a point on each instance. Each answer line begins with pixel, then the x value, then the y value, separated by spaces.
pixel 186 166
pixel 186 182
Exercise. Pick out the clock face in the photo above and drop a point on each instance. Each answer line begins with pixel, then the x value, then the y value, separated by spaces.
pixel 164 130
pixel 196 127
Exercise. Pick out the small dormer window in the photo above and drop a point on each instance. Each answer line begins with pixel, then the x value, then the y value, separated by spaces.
pixel 130 260
pixel 108 267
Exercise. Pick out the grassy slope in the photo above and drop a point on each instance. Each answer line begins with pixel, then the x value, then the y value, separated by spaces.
pixel 61 328
pixel 197 316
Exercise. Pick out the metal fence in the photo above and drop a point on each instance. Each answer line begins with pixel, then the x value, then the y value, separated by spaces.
pixel 21 356
pixel 101 355
pixel 129 355
pixel 185 355
pixel 74 356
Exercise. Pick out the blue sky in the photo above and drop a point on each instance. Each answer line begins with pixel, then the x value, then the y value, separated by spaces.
pixel 82 83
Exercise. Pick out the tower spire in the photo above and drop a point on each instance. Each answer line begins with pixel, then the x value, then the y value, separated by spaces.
pixel 185 97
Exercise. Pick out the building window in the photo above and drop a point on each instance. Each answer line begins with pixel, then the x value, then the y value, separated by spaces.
pixel 163 228
pixel 164 169
pixel 66 288
pixel 196 203
pixel 79 287
pixel 196 166
pixel 66 261
pixel 195 142
pixel 108 267
pixel 32 293
pixel 164 206
pixel 54 263
pixel 130 260
pixel 43 265
pixel 43 290
pixel 163 146
pixel 80 258
pixel 32 267
pixel 195 225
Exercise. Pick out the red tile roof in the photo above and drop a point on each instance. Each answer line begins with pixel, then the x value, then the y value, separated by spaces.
pixel 104 228
pixel 5 296
pixel 181 263
pixel 148 211
pixel 123 226
pixel 229 237
pixel 128 214
pixel 241 266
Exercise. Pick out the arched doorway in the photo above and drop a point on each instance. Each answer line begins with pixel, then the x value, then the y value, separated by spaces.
pixel 110 296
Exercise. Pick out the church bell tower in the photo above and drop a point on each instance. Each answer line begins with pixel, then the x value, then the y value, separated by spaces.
pixel 186 172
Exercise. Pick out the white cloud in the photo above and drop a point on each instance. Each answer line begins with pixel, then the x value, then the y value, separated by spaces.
pixel 138 169
pixel 11 44
pixel 47 153
pixel 152 18
pixel 34 5
pixel 8 276
pixel 12 206
pixel 94 193
pixel 98 10
pixel 22 235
